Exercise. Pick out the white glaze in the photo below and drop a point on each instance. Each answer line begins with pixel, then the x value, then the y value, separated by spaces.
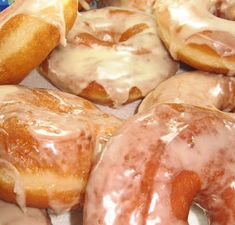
pixel 116 182
pixel 62 136
pixel 49 11
pixel 194 88
pixel 188 19
pixel 119 67
pixel 132 181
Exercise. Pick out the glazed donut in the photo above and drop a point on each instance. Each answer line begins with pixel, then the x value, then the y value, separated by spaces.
pixel 143 5
pixel 29 30
pixel 210 90
pixel 194 33
pixel 113 57
pixel 48 141
pixel 160 162
pixel 13 215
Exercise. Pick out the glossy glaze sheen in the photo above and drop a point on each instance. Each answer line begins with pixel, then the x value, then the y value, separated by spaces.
pixel 195 88
pixel 117 48
pixel 159 162
pixel 48 142
pixel 187 20
pixel 50 11
pixel 198 22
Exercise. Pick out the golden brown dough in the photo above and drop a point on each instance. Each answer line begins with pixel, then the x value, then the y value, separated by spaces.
pixel 48 140
pixel 199 33
pixel 172 154
pixel 29 33
pixel 194 88
pixel 113 56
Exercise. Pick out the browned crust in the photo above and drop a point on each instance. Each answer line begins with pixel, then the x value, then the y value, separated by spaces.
pixel 23 144
pixel 201 57
pixel 42 195
pixel 94 92
pixel 70 14
pixel 49 179
pixel 40 198
pixel 204 58
pixel 25 41
pixel 19 139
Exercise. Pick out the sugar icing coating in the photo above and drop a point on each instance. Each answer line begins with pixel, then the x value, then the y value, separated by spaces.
pixel 48 11
pixel 195 88
pixel 117 48
pixel 208 22
pixel 47 136
pixel 159 162
pixel 178 150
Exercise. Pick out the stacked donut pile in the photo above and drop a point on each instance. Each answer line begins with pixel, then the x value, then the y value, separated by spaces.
pixel 59 152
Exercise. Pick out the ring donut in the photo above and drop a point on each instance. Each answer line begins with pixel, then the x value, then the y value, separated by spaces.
pixel 29 30
pixel 113 57
pixel 210 90
pixel 199 33
pixel 161 161
pixel 11 214
pixel 48 141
